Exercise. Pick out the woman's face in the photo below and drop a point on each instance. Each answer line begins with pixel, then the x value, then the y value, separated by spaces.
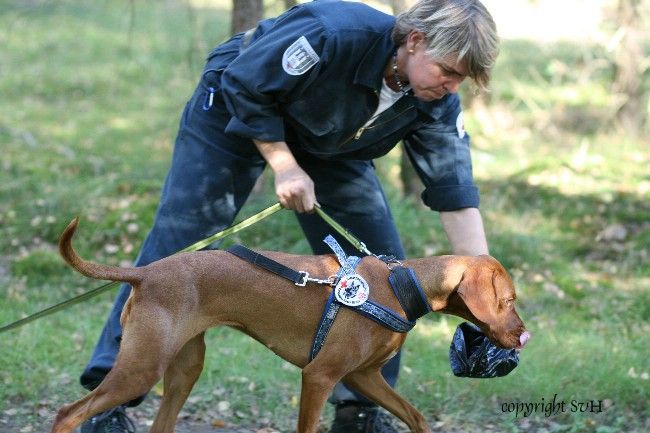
pixel 430 78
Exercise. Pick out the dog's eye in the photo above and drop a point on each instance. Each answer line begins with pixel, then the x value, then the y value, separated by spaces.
pixel 509 302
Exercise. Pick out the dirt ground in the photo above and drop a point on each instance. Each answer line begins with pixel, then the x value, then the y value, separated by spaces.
pixel 30 417
pixel 26 420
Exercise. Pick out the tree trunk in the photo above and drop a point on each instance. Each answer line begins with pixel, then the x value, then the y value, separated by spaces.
pixel 630 66
pixel 245 14
pixel 411 184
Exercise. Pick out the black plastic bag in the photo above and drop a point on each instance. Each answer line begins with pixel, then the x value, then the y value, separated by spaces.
pixel 472 355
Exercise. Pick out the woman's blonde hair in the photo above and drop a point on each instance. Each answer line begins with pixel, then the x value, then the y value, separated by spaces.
pixel 463 29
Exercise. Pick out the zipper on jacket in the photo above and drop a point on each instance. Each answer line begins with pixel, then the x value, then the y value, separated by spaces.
pixel 361 130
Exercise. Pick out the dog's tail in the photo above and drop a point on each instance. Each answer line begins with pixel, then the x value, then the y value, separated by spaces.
pixel 94 270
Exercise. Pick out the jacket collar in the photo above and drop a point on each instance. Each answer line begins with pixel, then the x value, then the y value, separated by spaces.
pixel 434 109
pixel 371 68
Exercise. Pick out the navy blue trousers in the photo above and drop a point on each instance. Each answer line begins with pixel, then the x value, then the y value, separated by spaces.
pixel 210 178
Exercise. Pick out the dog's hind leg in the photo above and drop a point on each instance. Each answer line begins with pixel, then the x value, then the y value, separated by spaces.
pixel 373 386
pixel 179 379
pixel 141 361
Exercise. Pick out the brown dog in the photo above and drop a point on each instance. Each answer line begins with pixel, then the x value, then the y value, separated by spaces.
pixel 174 300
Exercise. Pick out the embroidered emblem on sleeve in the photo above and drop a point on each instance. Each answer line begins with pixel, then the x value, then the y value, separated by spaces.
pixel 460 125
pixel 299 57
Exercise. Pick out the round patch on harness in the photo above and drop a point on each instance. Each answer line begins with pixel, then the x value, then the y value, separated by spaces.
pixel 352 290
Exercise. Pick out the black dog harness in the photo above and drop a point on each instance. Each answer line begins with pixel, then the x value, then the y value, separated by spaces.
pixel 351 291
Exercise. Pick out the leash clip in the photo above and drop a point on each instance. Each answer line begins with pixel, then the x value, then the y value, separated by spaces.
pixel 306 279
pixel 364 249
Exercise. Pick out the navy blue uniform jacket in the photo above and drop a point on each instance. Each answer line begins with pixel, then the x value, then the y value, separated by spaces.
pixel 311 77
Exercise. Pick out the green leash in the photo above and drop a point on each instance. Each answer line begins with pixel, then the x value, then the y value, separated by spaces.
pixel 194 247
pixel 343 232
pixel 106 287
pixel 233 229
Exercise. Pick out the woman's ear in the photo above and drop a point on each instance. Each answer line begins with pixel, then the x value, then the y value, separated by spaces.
pixel 414 39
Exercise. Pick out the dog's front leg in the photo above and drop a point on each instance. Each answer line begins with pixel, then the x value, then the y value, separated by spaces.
pixel 373 386
pixel 318 381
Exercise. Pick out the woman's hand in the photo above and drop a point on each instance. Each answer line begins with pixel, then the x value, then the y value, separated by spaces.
pixel 293 187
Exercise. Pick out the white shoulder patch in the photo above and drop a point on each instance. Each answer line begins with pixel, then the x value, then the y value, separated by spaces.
pixel 299 57
pixel 460 125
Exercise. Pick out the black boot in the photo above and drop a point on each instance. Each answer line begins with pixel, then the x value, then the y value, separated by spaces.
pixel 353 417
pixel 112 421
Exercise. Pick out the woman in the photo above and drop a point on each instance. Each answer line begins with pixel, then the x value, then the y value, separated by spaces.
pixel 317 93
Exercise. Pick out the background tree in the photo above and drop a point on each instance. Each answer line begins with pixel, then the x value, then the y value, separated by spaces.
pixel 411 185
pixel 245 14
pixel 631 64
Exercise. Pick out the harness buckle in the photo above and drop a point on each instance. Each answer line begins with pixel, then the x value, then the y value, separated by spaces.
pixel 305 279
pixel 390 261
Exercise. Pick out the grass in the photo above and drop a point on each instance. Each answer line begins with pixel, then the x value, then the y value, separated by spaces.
pixel 91 100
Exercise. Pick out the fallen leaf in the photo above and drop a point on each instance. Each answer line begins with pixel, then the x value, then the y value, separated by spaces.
pixel 614 232
pixel 223 406
pixel 218 423
pixel 111 248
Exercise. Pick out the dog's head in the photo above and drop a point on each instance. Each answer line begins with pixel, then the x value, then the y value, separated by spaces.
pixel 486 297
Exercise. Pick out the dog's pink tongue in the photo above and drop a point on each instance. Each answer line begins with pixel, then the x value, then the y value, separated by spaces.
pixel 523 338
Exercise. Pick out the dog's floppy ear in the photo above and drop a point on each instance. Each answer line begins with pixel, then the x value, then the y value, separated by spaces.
pixel 476 289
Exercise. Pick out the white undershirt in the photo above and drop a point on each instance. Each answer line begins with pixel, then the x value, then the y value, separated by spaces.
pixel 387 97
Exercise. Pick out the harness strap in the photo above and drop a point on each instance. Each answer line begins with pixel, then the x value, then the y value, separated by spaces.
pixel 332 306
pixel 384 316
pixel 298 278
pixel 326 321
pixel 373 311
pixel 340 254
pixel 408 292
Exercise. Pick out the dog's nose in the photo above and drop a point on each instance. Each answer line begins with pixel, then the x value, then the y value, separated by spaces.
pixel 523 338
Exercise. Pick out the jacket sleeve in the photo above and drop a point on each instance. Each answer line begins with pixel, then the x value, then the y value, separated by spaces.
pixel 439 151
pixel 284 59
